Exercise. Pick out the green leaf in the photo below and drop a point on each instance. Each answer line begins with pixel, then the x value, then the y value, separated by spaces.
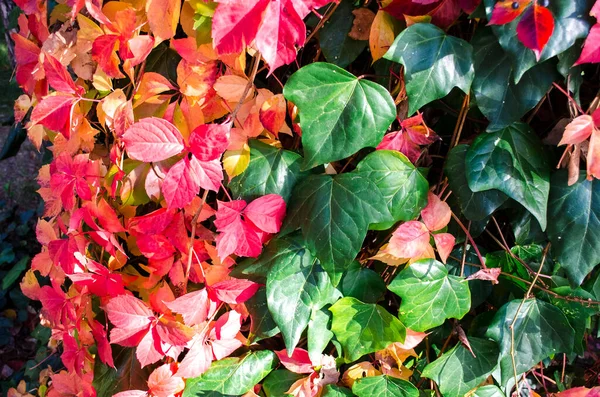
pixel 361 283
pixel 337 46
pixel 575 228
pixel 384 386
pixel 15 271
pixel 434 63
pixel 271 171
pixel 474 206
pixel 105 380
pixel 258 269
pixel 457 371
pixel 429 295
pixel 164 61
pixel 578 314
pixel 480 289
pixel 513 161
pixel 296 285
pixel 569 25
pixel 403 187
pixel 339 113
pixel 364 328
pixel 232 376
pixel 336 391
pixel 14 140
pixel 334 214
pixel 498 97
pixel 318 334
pixel 262 325
pixel 278 382
pixel 488 391
pixel 572 74
pixel 540 330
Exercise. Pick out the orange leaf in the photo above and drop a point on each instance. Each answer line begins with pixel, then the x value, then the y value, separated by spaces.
pixel 163 18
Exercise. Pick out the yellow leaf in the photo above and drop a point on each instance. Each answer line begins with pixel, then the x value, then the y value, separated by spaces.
pixel 102 82
pixel 361 370
pixel 236 161
pixel 383 32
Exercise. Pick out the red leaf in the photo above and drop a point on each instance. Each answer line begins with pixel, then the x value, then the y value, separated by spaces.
pixel 58 76
pixel 104 51
pixel 591 47
pixel 233 291
pixel 153 223
pixel 228 212
pixel 235 24
pixel 181 184
pixel 266 212
pixel 209 141
pixel 299 362
pixel 272 113
pixel 155 246
pixel 410 240
pixel 129 315
pixel 401 142
pixel 436 214
pixel 505 11
pixel 595 11
pixel 152 139
pixel 239 238
pixel 195 307
pixel 104 350
pixel 444 243
pixel 535 28
pixel 162 382
pixel 99 281
pixel 26 56
pixel 54 113
pixel 578 130
pixel 149 350
pixel 469 6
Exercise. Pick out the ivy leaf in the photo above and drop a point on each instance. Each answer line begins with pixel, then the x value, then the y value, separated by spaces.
pixel 501 99
pixel 337 46
pixel 318 334
pixel 488 391
pixel 458 371
pixel 336 391
pixel 334 214
pixel 362 283
pixel 429 295
pixel 434 63
pixel 511 160
pixel 278 382
pixel 383 386
pixel 575 227
pixel 262 325
pixel 569 26
pixel 296 285
pixel 540 330
pixel 271 171
pixel 364 328
pixel 339 113
pixel 403 187
pixel 535 28
pixel 232 376
pixel 474 206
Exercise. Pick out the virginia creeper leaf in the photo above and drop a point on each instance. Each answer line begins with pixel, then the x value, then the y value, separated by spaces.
pixel 339 113
pixel 535 28
pixel 364 328
pixel 511 160
pixel 540 330
pixel 434 63
pixel 152 139
pixel 429 295
pixel 334 214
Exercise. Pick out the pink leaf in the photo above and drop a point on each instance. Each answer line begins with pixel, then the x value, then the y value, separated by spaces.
pixel 239 238
pixel 180 185
pixel 58 76
pixel 235 24
pixel 489 274
pixel 197 360
pixel 149 350
pixel 401 142
pixel 299 362
pixel 129 314
pixel 266 212
pixel 234 291
pixel 162 382
pixel 131 393
pixel 410 240
pixel 591 47
pixel 436 214
pixel 535 28
pixel 412 339
pixel 208 173
pixel 195 307
pixel 209 141
pixel 444 243
pixel 578 130
pixel 223 335
pixel 593 156
pixel 152 139
pixel 54 113
pixel 228 212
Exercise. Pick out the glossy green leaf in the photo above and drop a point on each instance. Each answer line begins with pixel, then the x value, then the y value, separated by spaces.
pixel 488 391
pixel 339 48
pixel 296 285
pixel 458 371
pixel 540 330
pixel 258 269
pixel 498 97
pixel 361 283
pixel 232 376
pixel 364 328
pixel 278 382
pixel 262 325
pixel 334 214
pixel 429 295
pixel 475 206
pixel 511 160
pixel 434 63
pixel 575 227
pixel 336 391
pixel 384 386
pixel 15 271
pixel 403 187
pixel 318 333
pixel 578 314
pixel 570 24
pixel 271 171
pixel 339 113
